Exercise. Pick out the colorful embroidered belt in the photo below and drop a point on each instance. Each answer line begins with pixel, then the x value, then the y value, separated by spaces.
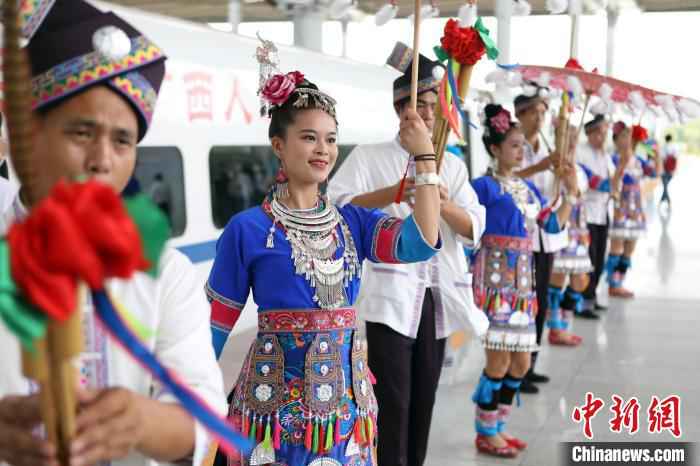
pixel 507 242
pixel 306 320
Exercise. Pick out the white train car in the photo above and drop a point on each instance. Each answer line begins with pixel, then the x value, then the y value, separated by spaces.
pixel 207 155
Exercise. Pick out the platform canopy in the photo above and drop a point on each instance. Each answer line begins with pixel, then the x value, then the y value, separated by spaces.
pixel 274 10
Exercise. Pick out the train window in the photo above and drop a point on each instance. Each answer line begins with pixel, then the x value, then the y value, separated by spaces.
pixel 159 173
pixel 343 152
pixel 241 176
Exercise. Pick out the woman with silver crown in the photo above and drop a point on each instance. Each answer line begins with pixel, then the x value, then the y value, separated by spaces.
pixel 503 276
pixel 304 393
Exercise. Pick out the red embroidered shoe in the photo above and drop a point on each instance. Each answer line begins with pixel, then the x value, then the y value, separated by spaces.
pixel 560 339
pixel 484 446
pixel 516 443
pixel 620 293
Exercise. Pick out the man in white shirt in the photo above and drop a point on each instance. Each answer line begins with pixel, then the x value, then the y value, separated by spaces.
pixel 8 189
pixel 597 163
pixel 410 309
pixel 537 167
pixel 91 130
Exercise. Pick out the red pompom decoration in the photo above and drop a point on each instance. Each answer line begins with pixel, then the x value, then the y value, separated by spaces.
pixel 573 64
pixel 81 231
pixel 462 44
pixel 639 133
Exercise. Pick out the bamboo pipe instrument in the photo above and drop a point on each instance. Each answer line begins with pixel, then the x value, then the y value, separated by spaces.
pixel 441 131
pixel 50 364
pixel 414 64
pixel 561 143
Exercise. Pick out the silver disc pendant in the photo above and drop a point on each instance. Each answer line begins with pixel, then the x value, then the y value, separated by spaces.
pixel 262 455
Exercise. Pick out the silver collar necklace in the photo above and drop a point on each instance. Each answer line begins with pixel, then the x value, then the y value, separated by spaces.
pixel 314 239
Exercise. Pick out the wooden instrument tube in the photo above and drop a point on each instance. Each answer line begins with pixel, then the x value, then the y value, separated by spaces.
pixel 441 131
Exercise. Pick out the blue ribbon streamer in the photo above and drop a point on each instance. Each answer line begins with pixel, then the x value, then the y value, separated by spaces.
pixel 228 438
pixel 508 66
pixel 514 385
pixel 456 101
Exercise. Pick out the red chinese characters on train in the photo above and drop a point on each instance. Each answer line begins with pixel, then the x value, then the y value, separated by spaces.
pixel 199 86
pixel 237 101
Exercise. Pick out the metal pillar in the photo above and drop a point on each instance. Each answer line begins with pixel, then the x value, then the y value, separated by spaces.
pixel 573 48
pixel 308 29
pixel 613 16
pixel 234 14
pixel 504 12
pixel 344 25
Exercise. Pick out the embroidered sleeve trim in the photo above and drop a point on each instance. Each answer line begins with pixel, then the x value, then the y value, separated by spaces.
pixel 214 296
pixel 385 240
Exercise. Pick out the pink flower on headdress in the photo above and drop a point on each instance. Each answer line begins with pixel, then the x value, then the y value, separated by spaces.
pixel 618 127
pixel 279 87
pixel 501 122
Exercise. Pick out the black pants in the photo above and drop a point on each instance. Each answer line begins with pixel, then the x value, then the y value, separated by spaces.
pixel 544 262
pixel 596 251
pixel 407 372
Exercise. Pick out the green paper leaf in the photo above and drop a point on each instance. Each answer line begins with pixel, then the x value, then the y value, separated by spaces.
pixel 440 53
pixel 20 317
pixel 491 48
pixel 153 226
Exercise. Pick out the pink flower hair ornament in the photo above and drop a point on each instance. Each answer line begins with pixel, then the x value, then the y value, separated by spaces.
pixel 279 87
pixel 501 121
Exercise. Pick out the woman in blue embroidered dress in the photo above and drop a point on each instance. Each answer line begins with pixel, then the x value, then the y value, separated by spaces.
pixel 304 393
pixel 629 221
pixel 503 276
pixel 572 263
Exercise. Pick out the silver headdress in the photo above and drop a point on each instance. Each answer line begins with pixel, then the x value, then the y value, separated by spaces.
pixel 266 55
pixel 321 100
pixel 275 88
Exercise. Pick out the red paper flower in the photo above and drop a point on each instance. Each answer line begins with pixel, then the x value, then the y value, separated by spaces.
pixel 639 133
pixel 279 87
pixel 81 231
pixel 462 44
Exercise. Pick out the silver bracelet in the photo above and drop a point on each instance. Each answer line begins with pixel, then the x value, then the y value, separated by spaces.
pixel 571 199
pixel 423 179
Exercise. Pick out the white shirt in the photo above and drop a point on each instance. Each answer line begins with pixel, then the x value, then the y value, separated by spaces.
pixel 8 193
pixel 175 307
pixel 600 164
pixel 544 181
pixel 392 294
